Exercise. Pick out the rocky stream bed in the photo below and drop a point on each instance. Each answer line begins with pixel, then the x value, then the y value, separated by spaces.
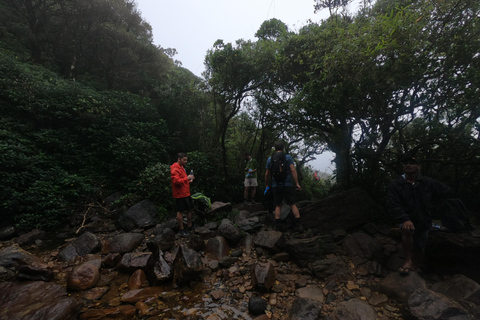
pixel 344 266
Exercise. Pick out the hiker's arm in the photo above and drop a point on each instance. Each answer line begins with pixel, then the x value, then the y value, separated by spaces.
pixel 267 177
pixel 178 177
pixel 394 205
pixel 295 176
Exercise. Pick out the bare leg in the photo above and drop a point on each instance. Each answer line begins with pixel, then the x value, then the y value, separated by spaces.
pixel 180 220
pixel 296 212
pixel 407 244
pixel 189 218
pixel 278 210
pixel 253 192
pixel 245 194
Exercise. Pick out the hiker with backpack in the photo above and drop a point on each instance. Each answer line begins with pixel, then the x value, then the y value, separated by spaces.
pixel 282 176
pixel 409 201
pixel 181 192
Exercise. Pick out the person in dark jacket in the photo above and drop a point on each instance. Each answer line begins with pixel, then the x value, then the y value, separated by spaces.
pixel 409 201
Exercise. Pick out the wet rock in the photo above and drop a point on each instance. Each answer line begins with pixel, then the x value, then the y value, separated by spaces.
pixel 263 276
pixel 361 248
pixel 142 295
pixel 311 292
pixel 355 309
pixel 348 210
pixel 32 273
pixel 83 277
pixel 454 253
pixel 303 251
pixel 14 256
pixel 137 279
pixel 217 248
pixel 125 242
pixel 270 240
pixel 226 262
pixel 95 293
pixel 164 240
pixel 305 309
pixel 158 270
pixel 196 243
pixel 7 233
pixel 6 274
pixel 378 300
pixel 249 224
pixel 218 206
pixel 111 260
pixel 427 304
pixel 120 312
pixel 229 231
pixel 37 300
pixel 134 260
pixel 458 288
pixel 256 305
pixel 187 266
pixel 140 216
pixel 29 238
pixel 85 244
pixel 332 266
pixel 399 286
pixel 338 235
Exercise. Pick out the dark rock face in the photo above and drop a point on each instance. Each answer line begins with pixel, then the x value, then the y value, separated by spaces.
pixel 37 300
pixel 348 210
pixel 271 240
pixel 140 216
pixel 424 303
pixel 453 253
pixel 134 260
pixel 362 248
pixel 229 231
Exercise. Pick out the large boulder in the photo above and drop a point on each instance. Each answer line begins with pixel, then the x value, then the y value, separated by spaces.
pixel 140 216
pixel 348 210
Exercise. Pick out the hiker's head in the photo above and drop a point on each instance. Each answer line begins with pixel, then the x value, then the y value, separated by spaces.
pixel 278 146
pixel 182 159
pixel 410 164
pixel 247 156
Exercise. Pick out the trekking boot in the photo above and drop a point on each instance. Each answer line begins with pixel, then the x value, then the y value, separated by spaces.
pixel 279 225
pixel 245 202
pixel 184 233
pixel 253 201
pixel 298 226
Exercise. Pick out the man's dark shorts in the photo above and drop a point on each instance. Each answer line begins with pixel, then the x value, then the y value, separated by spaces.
pixel 184 204
pixel 281 193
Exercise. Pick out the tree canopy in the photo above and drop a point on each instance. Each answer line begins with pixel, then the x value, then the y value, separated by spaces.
pixel 90 106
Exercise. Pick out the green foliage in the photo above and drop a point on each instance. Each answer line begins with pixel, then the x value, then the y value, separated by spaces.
pixel 155 184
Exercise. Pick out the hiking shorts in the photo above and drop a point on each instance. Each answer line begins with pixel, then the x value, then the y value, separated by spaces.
pixel 184 204
pixel 250 182
pixel 284 193
pixel 420 237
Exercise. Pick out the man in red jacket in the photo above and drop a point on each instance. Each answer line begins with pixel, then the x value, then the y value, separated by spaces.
pixel 181 191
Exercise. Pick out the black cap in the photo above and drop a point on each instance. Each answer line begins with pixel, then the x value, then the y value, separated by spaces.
pixel 409 159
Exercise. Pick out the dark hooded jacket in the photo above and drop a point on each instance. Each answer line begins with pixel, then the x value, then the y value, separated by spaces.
pixel 407 201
